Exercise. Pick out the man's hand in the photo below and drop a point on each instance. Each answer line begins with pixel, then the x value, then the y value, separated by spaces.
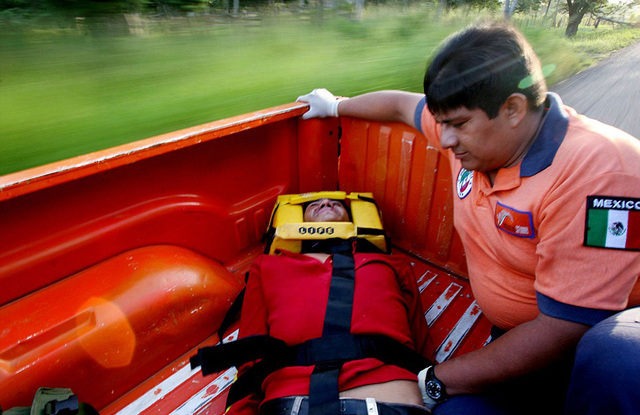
pixel 323 104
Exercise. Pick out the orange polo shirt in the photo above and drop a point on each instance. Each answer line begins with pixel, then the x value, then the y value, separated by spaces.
pixel 524 237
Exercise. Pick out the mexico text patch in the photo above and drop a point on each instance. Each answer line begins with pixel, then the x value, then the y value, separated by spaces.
pixel 613 222
pixel 514 221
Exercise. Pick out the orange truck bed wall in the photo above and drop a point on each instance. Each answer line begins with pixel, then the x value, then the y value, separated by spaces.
pixel 411 184
pixel 107 260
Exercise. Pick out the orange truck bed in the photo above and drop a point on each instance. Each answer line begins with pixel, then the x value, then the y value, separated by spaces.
pixel 116 266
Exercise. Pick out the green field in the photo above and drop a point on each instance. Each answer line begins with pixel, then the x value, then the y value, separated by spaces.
pixel 66 92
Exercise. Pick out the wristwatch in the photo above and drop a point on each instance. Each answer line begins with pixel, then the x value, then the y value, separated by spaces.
pixel 433 390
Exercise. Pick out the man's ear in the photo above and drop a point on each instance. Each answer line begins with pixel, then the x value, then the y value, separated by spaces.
pixel 515 109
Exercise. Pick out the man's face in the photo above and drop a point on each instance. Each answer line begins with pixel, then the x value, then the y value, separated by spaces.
pixel 326 210
pixel 480 143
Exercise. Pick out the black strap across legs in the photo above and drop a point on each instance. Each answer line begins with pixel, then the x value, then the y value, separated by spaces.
pixel 324 395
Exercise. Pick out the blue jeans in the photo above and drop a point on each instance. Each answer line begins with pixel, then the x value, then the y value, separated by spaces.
pixel 539 394
pixel 606 377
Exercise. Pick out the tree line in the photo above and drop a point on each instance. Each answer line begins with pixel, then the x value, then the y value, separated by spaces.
pixel 103 7
pixel 92 9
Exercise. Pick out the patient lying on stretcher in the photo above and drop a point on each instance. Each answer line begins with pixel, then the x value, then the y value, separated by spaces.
pixel 348 314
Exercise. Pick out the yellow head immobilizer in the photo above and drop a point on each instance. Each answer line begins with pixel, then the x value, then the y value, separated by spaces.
pixel 288 229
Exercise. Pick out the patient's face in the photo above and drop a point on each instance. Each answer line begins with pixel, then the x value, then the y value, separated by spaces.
pixel 326 210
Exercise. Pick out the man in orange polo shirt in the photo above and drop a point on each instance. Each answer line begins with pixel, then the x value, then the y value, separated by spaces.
pixel 547 204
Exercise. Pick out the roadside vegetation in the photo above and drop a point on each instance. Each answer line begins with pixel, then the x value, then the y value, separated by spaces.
pixel 70 90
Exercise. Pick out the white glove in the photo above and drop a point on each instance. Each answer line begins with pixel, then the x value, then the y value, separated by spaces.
pixel 322 104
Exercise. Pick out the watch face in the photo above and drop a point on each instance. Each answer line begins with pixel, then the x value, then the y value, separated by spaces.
pixel 434 390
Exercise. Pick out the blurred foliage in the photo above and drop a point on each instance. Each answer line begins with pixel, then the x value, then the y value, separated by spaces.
pixel 475 4
pixel 596 44
pixel 530 5
pixel 69 90
pixel 70 9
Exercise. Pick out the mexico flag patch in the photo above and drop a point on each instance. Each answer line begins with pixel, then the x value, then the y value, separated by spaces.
pixel 613 222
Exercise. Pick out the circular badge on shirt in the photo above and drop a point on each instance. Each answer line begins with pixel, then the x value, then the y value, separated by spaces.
pixel 464 182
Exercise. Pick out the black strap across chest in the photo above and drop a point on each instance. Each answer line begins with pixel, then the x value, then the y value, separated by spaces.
pixel 327 353
pixel 324 398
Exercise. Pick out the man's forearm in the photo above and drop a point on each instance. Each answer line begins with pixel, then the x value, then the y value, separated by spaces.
pixel 530 346
pixel 390 106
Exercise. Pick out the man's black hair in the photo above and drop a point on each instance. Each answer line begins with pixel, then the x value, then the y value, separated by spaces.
pixel 480 67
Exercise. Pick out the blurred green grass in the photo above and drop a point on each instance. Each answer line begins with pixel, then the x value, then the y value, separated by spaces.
pixel 65 93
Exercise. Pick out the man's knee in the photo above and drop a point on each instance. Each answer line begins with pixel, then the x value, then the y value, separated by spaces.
pixel 605 376
pixel 612 343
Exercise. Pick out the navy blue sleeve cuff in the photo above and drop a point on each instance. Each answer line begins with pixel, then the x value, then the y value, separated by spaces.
pixel 417 116
pixel 577 314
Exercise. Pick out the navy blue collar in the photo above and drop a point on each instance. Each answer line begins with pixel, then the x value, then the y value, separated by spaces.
pixel 552 132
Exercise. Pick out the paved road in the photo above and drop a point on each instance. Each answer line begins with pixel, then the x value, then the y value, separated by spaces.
pixel 609 91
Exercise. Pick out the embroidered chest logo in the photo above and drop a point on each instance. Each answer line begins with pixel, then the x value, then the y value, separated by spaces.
pixel 613 222
pixel 464 182
pixel 514 222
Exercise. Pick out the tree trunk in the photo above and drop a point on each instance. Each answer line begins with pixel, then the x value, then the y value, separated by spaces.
pixel 577 9
pixel 574 21
pixel 547 10
pixel 359 9
pixel 509 8
pixel 320 13
pixel 442 5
